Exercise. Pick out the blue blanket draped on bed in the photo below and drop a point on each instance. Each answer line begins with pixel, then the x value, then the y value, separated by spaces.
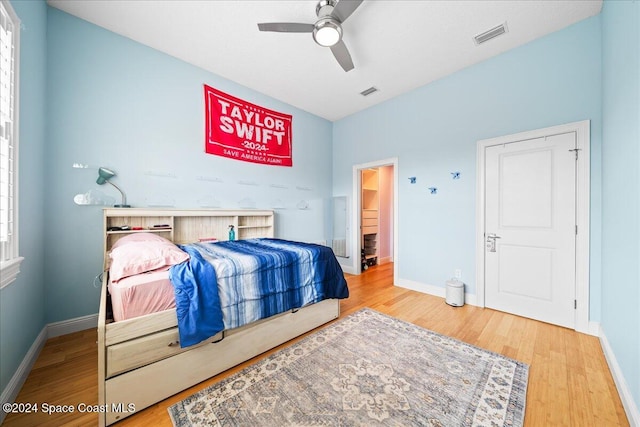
pixel 225 285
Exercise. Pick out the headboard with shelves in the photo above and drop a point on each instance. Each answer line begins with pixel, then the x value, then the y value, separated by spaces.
pixel 186 225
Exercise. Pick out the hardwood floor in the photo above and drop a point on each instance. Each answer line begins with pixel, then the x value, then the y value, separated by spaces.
pixel 569 380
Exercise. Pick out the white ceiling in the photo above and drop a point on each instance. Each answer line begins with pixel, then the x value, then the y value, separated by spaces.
pixel 396 45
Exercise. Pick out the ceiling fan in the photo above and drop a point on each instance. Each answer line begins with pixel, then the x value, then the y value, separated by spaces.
pixel 327 30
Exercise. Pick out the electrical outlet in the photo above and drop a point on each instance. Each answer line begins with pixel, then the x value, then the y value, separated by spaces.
pixel 458 273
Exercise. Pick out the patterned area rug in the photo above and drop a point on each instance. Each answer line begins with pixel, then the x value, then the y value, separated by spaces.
pixel 367 369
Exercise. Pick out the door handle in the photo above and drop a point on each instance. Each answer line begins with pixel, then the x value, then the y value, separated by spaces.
pixel 491 242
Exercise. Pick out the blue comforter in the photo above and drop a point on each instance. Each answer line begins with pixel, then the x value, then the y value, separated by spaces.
pixel 229 284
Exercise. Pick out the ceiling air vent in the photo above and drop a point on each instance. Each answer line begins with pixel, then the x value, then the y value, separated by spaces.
pixel 490 34
pixel 369 91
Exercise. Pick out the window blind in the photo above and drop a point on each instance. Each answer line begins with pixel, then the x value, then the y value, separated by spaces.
pixel 7 141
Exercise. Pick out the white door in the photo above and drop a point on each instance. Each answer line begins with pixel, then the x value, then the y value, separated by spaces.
pixel 530 228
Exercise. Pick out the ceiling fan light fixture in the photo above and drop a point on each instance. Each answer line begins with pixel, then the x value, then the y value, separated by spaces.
pixel 327 32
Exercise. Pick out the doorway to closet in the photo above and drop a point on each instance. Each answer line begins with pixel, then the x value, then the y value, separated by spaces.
pixel 375 219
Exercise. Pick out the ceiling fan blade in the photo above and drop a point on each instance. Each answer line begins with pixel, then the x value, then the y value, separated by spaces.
pixel 341 53
pixel 344 9
pixel 286 27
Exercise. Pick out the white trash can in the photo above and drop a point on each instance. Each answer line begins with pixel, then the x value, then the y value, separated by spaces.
pixel 455 293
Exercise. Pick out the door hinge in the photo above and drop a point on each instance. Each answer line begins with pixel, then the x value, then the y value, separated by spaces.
pixel 576 150
pixel 576 229
pixel 575 304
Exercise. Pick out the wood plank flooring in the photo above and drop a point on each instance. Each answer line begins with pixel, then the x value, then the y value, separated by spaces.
pixel 569 380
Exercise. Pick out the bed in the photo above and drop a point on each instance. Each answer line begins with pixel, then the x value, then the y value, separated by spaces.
pixel 146 352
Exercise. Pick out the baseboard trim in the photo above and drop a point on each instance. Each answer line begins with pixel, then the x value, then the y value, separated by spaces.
pixel 593 329
pixel 12 389
pixel 50 330
pixel 630 408
pixel 349 269
pixel 436 291
pixel 64 327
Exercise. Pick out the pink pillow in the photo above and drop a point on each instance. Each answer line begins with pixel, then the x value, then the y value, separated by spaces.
pixel 139 237
pixel 137 257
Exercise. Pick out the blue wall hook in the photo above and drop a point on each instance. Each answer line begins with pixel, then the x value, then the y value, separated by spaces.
pixel 412 180
pixel 433 190
pixel 455 175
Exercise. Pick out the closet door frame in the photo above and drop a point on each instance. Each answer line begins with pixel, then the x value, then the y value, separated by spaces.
pixel 356 247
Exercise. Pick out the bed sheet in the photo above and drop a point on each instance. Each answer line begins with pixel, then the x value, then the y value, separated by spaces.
pixel 142 294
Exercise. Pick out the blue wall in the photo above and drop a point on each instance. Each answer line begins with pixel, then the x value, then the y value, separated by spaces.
pixel 22 302
pixel 434 131
pixel 621 187
pixel 116 103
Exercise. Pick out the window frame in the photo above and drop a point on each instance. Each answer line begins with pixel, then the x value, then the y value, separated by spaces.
pixel 10 267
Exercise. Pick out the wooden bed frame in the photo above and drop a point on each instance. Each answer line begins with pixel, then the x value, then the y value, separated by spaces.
pixel 140 361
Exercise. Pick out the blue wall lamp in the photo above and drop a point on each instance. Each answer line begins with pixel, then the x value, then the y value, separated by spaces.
pixel 104 175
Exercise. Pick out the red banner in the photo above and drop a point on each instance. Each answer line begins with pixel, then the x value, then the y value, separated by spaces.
pixel 243 131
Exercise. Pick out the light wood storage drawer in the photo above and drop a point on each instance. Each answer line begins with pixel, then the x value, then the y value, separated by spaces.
pixel 368 213
pixel 368 222
pixel 142 351
pixel 370 230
